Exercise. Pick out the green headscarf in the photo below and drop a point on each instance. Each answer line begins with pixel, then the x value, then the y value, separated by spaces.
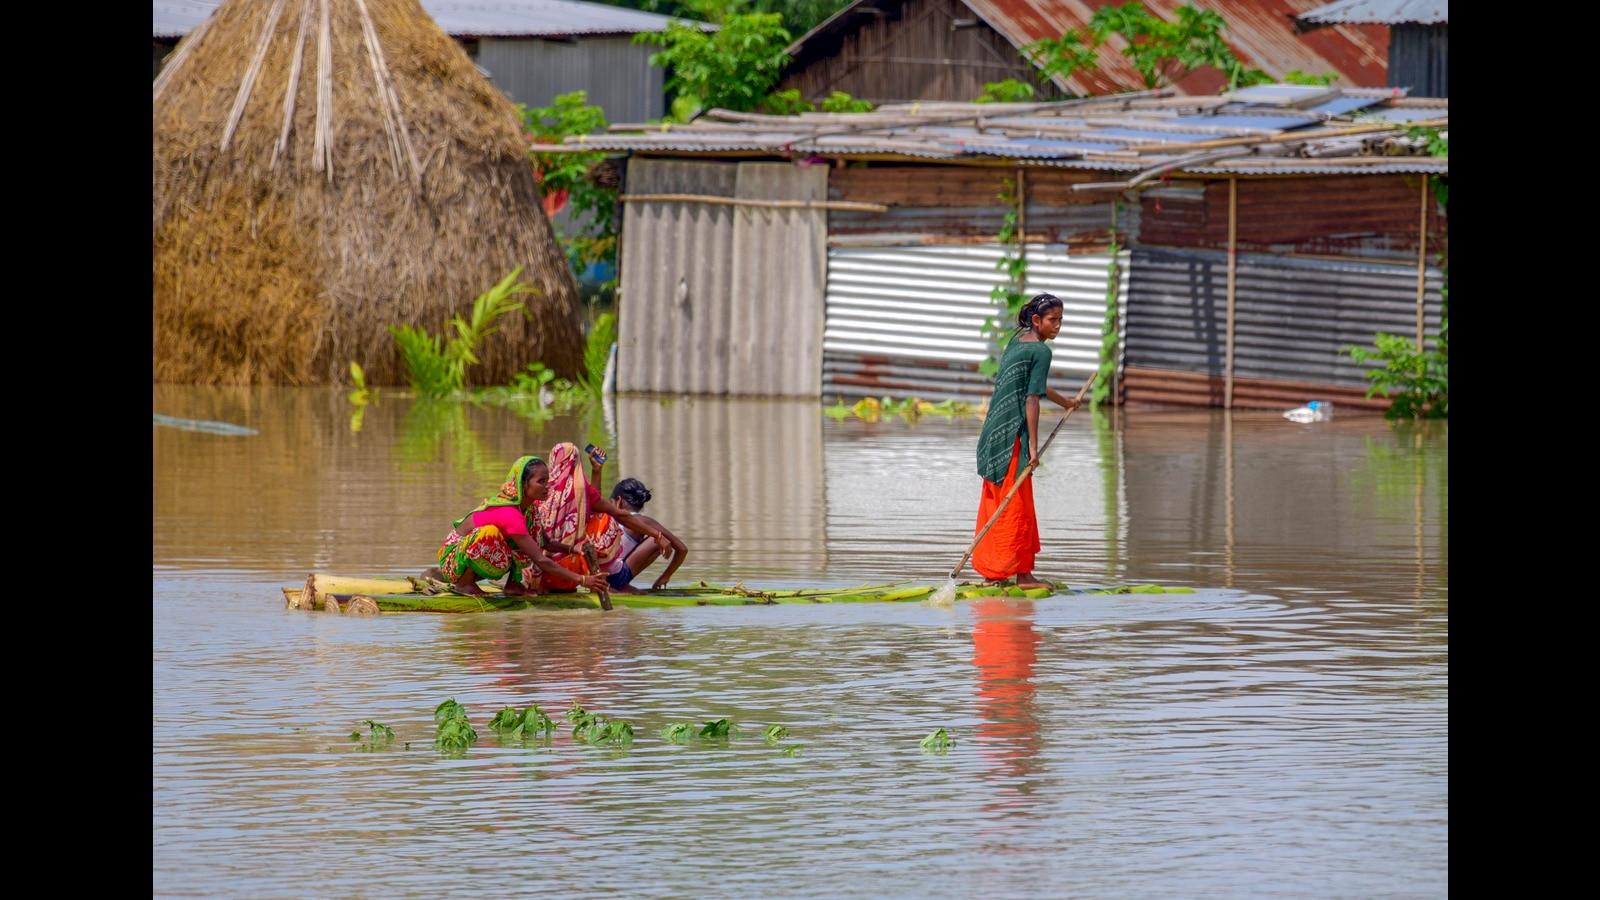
pixel 510 492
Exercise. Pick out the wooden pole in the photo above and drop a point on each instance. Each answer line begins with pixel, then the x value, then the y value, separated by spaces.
pixel 1233 261
pixel 1422 261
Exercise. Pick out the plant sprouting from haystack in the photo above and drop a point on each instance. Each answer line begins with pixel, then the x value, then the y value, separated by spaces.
pixel 436 367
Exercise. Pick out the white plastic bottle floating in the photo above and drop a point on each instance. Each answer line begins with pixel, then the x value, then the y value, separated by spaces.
pixel 1315 411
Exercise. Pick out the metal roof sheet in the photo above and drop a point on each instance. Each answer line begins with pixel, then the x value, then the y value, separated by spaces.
pixel 1384 12
pixel 461 18
pixel 1143 132
pixel 1260 32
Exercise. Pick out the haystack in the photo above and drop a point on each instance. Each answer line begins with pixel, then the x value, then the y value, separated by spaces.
pixel 324 169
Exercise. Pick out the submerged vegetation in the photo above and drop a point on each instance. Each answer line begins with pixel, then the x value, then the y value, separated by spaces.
pixel 455 733
pixel 1416 378
pixel 872 409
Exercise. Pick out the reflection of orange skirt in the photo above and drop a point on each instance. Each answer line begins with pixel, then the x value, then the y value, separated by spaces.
pixel 604 532
pixel 1009 547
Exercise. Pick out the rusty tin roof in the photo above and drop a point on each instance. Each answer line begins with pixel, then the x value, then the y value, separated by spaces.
pixel 1263 130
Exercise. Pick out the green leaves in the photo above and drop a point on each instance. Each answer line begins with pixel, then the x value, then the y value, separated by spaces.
pixel 516 724
pixel 1109 336
pixel 720 728
pixel 1009 90
pixel 938 742
pixel 732 68
pixel 455 733
pixel 1161 52
pixel 1419 379
pixel 436 369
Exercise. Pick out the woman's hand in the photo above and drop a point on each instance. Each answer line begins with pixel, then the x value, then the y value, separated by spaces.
pixel 596 583
pixel 661 581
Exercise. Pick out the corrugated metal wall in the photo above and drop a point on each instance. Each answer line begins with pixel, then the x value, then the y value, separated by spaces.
pixel 961 205
pixel 906 321
pixel 1291 316
pixel 1376 217
pixel 1419 58
pixel 716 298
pixel 616 73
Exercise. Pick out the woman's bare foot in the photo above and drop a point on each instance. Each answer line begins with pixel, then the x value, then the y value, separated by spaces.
pixel 468 586
pixel 1026 581
pixel 432 573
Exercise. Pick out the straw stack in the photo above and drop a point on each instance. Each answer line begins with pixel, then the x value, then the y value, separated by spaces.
pixel 324 169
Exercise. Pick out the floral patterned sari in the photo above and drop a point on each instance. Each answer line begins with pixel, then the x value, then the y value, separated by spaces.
pixel 485 550
pixel 564 516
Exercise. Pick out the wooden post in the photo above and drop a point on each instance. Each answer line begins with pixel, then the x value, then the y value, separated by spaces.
pixel 1233 259
pixel 1422 262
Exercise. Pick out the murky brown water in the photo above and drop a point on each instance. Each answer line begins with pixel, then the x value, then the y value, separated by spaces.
pixel 1283 730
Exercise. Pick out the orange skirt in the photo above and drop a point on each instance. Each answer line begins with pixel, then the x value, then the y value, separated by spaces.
pixel 1011 545
pixel 604 532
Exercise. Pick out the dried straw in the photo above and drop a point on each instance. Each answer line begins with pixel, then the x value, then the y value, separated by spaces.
pixel 391 190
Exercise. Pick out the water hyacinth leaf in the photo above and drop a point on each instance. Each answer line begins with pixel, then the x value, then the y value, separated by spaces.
pixel 792 749
pixel 938 741
pixel 775 733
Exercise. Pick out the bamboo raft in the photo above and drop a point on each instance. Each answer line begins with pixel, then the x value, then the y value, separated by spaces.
pixel 371 596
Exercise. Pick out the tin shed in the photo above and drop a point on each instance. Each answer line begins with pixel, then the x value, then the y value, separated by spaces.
pixel 1223 248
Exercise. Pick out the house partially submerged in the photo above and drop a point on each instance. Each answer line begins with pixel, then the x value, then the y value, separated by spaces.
pixel 1228 246
pixel 533 50
pixel 901 51
pixel 324 170
pixel 1419 38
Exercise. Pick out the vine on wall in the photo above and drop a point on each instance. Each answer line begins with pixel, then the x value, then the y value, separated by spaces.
pixel 1007 295
pixel 1108 327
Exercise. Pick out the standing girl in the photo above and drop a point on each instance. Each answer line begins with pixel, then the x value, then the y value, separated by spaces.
pixel 1012 543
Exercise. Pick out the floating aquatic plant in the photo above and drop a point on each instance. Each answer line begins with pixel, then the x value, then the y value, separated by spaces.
pixel 455 732
pixel 516 724
pixel 381 736
pixel 720 728
pixel 678 732
pixel 792 749
pixel 938 742
pixel 775 733
pixel 594 728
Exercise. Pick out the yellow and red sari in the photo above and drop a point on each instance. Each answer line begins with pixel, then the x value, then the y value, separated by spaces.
pixel 565 515
pixel 485 549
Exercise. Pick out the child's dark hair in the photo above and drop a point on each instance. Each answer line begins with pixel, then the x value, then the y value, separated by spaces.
pixel 633 491
pixel 1038 306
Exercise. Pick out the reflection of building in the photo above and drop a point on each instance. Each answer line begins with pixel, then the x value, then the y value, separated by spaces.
pixel 1004 649
pixel 744 477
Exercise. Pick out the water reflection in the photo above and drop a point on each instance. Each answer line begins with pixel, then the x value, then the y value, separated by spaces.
pixel 1004 651
pixel 744 477
pixel 1281 731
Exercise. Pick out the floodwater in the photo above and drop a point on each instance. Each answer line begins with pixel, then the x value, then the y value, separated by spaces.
pixel 1281 731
